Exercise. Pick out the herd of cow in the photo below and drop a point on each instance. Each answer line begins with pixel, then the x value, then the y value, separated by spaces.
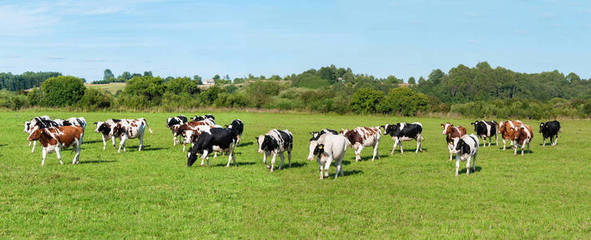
pixel 326 145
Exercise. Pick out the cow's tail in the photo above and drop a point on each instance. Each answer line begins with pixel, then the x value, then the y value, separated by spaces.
pixel 148 126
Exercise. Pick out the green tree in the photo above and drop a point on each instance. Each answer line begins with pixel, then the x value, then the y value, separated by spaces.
pixel 62 91
pixel 182 85
pixel 95 99
pixel 108 75
pixel 412 81
pixel 404 101
pixel 366 100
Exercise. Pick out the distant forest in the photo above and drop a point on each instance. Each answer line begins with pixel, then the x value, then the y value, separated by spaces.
pixel 478 91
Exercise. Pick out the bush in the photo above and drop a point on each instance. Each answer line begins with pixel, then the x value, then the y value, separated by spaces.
pixel 94 99
pixel 12 100
pixel 404 101
pixel 143 91
pixel 366 100
pixel 62 91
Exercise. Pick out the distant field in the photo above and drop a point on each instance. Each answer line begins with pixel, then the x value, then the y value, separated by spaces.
pixel 111 87
pixel 152 194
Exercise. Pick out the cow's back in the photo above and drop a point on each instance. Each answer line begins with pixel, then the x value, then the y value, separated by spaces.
pixel 69 134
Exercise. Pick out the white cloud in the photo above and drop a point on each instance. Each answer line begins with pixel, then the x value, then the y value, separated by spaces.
pixel 23 21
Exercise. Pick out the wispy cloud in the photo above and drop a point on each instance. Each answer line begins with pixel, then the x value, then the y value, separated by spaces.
pixel 55 58
pixel 23 21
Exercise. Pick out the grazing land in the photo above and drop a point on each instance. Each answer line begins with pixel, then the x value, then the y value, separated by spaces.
pixel 109 87
pixel 544 194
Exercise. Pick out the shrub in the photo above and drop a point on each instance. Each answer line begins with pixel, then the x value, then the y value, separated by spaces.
pixel 94 99
pixel 366 100
pixel 62 91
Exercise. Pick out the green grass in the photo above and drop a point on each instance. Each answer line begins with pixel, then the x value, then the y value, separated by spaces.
pixel 545 194
pixel 110 87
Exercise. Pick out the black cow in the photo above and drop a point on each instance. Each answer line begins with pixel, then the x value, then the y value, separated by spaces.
pixel 486 129
pixel 550 130
pixel 316 135
pixel 405 132
pixel 214 139
pixel 237 125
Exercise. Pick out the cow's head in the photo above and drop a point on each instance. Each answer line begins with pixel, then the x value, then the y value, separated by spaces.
pixel 542 126
pixel 266 143
pixel 104 128
pixel 36 133
pixel 27 128
pixel 446 128
pixel 168 124
pixel 192 156
pixel 392 129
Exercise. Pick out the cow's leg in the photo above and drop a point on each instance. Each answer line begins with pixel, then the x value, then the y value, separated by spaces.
pixel 341 165
pixel 515 152
pixel 59 155
pixel 203 156
pixel 237 140
pixel 544 142
pixel 289 157
pixel 496 140
pixel 77 156
pixel 265 159
pixel 418 145
pixel 43 156
pixel 34 144
pixel 555 140
pixel 468 165
pixel 113 140
pixel 474 163
pixel 504 144
pixel 401 150
pixel 358 153
pixel 30 143
pixel 104 142
pixel 122 143
pixel 282 159
pixel 231 155
pixel 375 151
pixel 451 153
pixel 273 160
pixel 394 147
pixel 457 164
pixel 528 151
pixel 174 138
pixel 141 142
pixel 320 166
pixel 327 166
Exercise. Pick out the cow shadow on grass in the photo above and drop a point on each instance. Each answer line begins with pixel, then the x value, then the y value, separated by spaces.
pixel 245 144
pixel 409 150
pixel 144 148
pixel 93 141
pixel 223 164
pixel 368 157
pixel 97 161
pixel 476 169
pixel 351 172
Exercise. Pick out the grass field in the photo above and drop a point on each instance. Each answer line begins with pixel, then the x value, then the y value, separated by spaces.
pixel 111 87
pixel 545 194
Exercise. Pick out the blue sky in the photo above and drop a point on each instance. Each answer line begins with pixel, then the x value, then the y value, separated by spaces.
pixel 183 38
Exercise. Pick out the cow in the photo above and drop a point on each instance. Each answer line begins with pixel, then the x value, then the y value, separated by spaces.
pixel 210 140
pixel 204 117
pixel 239 126
pixel 522 136
pixel 130 129
pixel 274 143
pixel 189 130
pixel 404 132
pixel 37 121
pixel 466 148
pixel 452 133
pixel 76 121
pixel 316 135
pixel 326 148
pixel 106 130
pixel 486 129
pixel 172 123
pixel 506 129
pixel 550 130
pixel 363 137
pixel 56 138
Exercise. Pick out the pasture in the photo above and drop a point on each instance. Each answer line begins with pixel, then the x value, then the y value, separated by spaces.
pixel 545 194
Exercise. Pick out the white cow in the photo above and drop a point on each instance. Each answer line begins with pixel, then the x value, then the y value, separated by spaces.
pixel 327 148
pixel 466 148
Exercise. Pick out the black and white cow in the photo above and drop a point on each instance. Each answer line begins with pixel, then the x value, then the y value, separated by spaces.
pixel 550 130
pixel 205 117
pixel 273 143
pixel 173 123
pixel 316 135
pixel 405 132
pixel 76 121
pixel 106 129
pixel 486 129
pixel 238 125
pixel 466 148
pixel 213 140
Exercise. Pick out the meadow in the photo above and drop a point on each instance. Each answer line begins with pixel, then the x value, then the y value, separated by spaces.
pixel 153 194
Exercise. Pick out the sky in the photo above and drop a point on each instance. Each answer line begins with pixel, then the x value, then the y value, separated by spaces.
pixel 400 38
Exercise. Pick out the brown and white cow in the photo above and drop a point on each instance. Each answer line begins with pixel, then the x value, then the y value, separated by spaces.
pixel 361 137
pixel 452 133
pixel 507 130
pixel 130 129
pixel 56 138
pixel 522 136
pixel 190 130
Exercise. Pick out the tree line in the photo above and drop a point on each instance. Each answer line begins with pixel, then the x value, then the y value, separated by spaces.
pixel 480 91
